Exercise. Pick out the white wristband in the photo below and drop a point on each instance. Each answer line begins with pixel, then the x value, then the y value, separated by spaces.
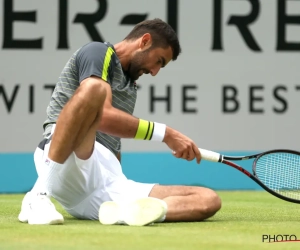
pixel 159 132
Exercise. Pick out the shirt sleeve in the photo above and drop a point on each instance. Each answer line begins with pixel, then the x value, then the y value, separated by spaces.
pixel 95 59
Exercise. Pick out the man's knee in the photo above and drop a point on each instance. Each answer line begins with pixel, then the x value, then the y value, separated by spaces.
pixel 210 202
pixel 92 93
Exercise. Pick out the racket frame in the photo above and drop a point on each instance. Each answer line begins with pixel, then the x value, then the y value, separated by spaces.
pixel 228 161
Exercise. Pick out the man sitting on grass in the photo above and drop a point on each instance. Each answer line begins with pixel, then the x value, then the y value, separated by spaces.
pixel 89 111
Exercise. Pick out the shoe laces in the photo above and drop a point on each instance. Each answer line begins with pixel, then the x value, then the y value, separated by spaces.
pixel 42 200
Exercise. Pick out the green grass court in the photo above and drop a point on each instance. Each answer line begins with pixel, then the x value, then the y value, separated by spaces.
pixel 243 219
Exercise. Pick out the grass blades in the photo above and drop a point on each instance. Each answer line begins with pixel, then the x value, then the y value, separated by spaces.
pixel 244 218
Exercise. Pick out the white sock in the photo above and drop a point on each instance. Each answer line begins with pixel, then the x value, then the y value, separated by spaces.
pixel 162 218
pixel 52 166
pixel 122 211
pixel 44 182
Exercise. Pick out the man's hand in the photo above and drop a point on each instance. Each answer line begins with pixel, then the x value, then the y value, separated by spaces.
pixel 182 146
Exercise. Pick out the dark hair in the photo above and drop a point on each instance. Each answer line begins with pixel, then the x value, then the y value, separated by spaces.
pixel 162 35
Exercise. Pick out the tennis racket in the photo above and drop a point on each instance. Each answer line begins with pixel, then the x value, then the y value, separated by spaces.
pixel 276 171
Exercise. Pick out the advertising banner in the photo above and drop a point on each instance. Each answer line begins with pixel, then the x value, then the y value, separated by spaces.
pixel 234 88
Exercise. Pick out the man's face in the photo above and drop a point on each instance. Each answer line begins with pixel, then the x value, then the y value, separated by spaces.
pixel 149 61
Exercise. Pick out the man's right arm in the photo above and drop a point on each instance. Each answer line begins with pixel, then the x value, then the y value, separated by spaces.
pixel 114 121
pixel 121 124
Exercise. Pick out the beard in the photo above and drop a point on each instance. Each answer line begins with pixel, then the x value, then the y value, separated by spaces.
pixel 135 68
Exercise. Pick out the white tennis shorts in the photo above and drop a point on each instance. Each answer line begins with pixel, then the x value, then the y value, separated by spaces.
pixel 81 186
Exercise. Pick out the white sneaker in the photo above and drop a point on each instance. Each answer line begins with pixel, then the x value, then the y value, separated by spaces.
pixel 25 208
pixel 40 211
pixel 140 212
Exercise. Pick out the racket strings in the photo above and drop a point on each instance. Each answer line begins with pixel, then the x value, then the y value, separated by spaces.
pixel 280 172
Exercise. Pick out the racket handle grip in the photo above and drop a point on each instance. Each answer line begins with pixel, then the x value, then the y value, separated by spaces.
pixel 209 155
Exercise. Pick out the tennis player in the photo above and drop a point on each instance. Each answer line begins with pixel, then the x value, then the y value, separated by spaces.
pixel 78 161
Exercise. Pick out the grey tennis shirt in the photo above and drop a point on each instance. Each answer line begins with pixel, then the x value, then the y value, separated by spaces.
pixel 98 59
